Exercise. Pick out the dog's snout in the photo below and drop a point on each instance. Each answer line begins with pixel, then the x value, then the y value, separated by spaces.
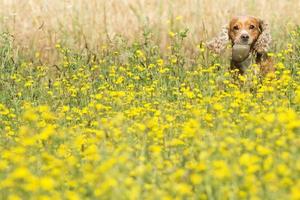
pixel 245 37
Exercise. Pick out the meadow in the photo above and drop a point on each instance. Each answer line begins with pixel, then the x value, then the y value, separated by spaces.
pixel 122 100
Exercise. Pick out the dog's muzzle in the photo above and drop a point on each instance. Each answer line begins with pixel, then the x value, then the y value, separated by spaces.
pixel 241 56
pixel 240 52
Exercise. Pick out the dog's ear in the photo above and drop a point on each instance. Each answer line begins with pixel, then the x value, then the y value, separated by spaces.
pixel 219 43
pixel 264 40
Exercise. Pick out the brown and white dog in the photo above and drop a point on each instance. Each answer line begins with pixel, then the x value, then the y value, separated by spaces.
pixel 247 31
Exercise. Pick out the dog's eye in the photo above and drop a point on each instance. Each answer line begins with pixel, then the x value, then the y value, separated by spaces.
pixel 252 27
pixel 236 28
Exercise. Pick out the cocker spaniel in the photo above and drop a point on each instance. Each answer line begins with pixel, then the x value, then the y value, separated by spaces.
pixel 250 40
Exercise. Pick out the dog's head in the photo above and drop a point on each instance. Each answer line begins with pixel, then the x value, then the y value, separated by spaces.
pixel 246 30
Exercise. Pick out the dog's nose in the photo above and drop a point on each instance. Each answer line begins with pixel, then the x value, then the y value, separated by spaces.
pixel 245 37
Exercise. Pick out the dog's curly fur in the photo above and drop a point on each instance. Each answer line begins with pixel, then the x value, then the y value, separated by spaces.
pixel 219 43
pixel 259 47
pixel 264 40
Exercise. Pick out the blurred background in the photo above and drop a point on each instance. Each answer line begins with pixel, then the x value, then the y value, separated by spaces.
pixel 38 25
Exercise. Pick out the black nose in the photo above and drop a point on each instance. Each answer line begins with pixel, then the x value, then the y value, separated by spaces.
pixel 245 37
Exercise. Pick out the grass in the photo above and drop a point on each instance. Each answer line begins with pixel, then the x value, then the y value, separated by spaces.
pixel 37 26
pixel 148 114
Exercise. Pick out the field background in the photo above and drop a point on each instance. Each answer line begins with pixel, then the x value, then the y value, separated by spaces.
pixel 37 25
pixel 116 100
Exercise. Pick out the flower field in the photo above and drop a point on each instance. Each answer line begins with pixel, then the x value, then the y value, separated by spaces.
pixel 144 127
pixel 133 122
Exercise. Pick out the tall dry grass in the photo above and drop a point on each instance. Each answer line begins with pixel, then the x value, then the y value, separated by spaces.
pixel 37 25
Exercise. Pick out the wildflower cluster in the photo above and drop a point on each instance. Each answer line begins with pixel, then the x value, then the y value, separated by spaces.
pixel 136 124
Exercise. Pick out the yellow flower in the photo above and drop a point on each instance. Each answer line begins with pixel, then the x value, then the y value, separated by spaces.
pixel 140 54
pixel 160 62
pixel 183 189
pixel 196 179
pixel 58 46
pixel 3 110
pixel 178 18
pixel 21 172
pixel 3 165
pixel 63 151
pixel 295 192
pixel 200 167
pixel 269 117
pixel 47 183
pixel 30 115
pixel 263 150
pixel 283 170
pixel 173 59
pixel 190 128
pixel 14 197
pixel 172 34
pixel 47 132
pixel 155 148
pixel 105 186
pixel 72 195
pixel 217 106
pixel 220 169
pixel 175 142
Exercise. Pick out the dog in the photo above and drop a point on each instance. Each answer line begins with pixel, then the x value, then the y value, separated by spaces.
pixel 253 36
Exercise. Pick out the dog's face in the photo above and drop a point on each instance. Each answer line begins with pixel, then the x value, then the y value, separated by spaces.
pixel 244 30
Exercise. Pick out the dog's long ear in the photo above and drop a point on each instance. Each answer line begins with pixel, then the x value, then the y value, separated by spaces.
pixel 264 40
pixel 219 43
